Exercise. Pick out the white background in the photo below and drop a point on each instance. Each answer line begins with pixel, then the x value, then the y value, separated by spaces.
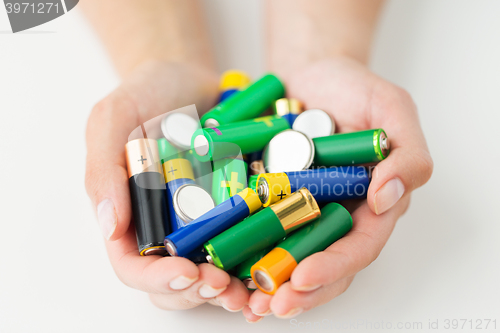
pixel 442 261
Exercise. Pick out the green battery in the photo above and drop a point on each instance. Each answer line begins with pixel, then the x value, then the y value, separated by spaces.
pixel 277 266
pixel 229 177
pixel 246 104
pixel 242 271
pixel 252 182
pixel 243 137
pixel 202 170
pixel 261 230
pixel 351 148
pixel 167 151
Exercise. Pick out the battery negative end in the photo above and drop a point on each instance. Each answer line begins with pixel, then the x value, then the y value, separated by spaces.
pixel 264 281
pixel 170 248
pixel 249 284
pixel 211 122
pixel 201 145
pixel 157 250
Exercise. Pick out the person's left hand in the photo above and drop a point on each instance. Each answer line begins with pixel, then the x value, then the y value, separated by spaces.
pixel 357 100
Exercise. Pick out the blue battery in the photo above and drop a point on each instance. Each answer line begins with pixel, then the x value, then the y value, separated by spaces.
pixel 184 241
pixel 226 94
pixel 325 184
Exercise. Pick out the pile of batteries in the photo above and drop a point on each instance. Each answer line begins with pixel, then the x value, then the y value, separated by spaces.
pixel 189 189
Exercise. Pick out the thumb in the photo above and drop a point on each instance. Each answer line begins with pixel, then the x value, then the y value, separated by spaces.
pixel 106 178
pixel 404 170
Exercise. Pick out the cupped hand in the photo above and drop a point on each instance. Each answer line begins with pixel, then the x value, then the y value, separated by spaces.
pixel 152 89
pixel 357 100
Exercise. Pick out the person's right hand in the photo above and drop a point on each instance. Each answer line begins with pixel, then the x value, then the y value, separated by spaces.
pixel 152 89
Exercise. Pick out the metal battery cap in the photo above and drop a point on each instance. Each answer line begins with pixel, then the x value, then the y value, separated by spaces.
pixel 190 201
pixel 314 123
pixel 178 129
pixel 288 151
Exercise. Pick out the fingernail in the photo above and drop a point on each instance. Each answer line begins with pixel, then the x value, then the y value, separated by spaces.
pixel 228 309
pixel 267 313
pixel 207 291
pixel 106 216
pixel 388 195
pixel 181 282
pixel 290 314
pixel 255 321
pixel 309 287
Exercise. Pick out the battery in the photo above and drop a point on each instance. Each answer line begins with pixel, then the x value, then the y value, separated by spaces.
pixel 229 178
pixel 252 182
pixel 314 123
pixel 288 151
pixel 235 139
pixel 186 240
pixel 178 128
pixel 231 82
pixel 288 108
pixel 325 184
pixel 277 266
pixel 246 104
pixel 242 271
pixel 261 230
pixel 186 200
pixel 351 148
pixel 148 195
pixel 202 170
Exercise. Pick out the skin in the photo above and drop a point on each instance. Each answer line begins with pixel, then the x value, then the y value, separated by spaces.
pixel 167 63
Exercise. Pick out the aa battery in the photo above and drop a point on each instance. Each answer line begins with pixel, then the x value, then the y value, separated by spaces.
pixel 229 178
pixel 231 82
pixel 185 199
pixel 351 148
pixel 288 108
pixel 186 240
pixel 246 104
pixel 314 123
pixel 235 139
pixel 261 230
pixel 202 170
pixel 288 151
pixel 148 195
pixel 325 184
pixel 277 266
pixel 242 271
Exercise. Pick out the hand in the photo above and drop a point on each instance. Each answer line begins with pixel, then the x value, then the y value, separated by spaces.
pixel 357 100
pixel 151 90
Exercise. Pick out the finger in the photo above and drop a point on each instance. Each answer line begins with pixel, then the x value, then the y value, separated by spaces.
pixel 211 283
pixel 235 297
pixel 409 164
pixel 288 303
pixel 106 179
pixel 260 303
pixel 350 254
pixel 250 316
